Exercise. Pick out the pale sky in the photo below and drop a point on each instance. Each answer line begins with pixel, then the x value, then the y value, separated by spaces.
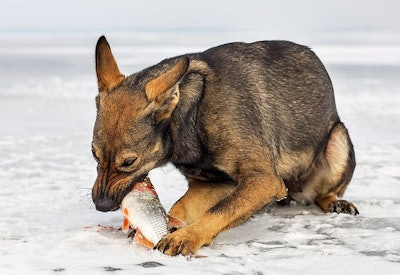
pixel 99 15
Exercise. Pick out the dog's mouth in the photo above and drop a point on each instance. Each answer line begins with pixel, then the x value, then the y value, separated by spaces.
pixel 113 203
pixel 128 189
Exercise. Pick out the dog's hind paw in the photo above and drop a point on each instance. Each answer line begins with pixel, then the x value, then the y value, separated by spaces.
pixel 343 206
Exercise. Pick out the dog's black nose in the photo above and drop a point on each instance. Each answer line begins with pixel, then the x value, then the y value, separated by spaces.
pixel 104 204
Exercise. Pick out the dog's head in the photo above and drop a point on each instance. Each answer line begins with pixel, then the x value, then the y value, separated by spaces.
pixel 130 135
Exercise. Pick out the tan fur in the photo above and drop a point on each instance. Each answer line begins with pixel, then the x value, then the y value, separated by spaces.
pixel 167 107
pixel 113 128
pixel 337 153
pixel 198 199
pixel 210 214
pixel 156 87
pixel 163 92
pixel 108 74
pixel 238 206
pixel 289 162
pixel 325 201
pixel 328 180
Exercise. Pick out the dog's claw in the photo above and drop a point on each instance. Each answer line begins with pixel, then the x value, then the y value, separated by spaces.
pixel 162 246
pixel 166 247
pixel 343 206
pixel 181 242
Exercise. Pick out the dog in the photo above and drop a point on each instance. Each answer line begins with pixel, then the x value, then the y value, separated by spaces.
pixel 247 124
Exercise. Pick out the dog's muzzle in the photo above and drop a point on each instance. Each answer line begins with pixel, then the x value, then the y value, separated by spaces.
pixel 105 204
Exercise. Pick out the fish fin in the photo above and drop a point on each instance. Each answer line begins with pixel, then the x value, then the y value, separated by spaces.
pixel 175 223
pixel 125 225
pixel 125 211
pixel 140 239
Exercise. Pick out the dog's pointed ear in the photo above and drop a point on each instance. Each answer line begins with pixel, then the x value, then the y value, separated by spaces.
pixel 108 74
pixel 163 90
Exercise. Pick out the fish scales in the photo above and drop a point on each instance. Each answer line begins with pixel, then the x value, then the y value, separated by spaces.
pixel 145 213
pixel 150 216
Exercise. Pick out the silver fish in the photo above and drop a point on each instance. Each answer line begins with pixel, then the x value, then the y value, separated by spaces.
pixel 143 212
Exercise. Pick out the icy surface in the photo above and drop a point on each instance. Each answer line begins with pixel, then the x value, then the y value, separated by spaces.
pixel 48 223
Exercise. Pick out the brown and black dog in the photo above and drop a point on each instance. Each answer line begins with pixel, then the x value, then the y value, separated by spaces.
pixel 247 124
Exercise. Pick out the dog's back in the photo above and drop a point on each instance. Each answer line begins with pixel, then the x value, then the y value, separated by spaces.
pixel 281 86
pixel 276 93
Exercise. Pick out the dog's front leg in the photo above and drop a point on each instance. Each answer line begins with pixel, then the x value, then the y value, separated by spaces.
pixel 256 189
pixel 198 199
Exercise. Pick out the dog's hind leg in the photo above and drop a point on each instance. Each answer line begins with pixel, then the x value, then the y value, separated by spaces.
pixel 332 173
pixel 198 199
pixel 340 159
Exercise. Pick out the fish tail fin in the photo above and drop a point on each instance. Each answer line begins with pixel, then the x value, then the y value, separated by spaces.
pixel 125 225
pixel 140 239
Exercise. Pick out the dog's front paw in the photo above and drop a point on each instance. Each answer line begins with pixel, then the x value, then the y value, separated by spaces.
pixel 343 206
pixel 183 241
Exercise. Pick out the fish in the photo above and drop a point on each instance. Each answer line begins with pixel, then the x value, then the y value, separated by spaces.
pixel 144 213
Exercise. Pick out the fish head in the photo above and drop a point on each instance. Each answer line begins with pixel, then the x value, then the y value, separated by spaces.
pixel 145 186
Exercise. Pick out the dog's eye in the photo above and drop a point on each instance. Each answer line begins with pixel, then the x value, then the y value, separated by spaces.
pixel 128 162
pixel 96 158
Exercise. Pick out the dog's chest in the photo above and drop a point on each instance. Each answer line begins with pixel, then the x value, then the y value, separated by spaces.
pixel 204 173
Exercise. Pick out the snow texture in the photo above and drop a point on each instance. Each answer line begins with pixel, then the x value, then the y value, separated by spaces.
pixel 48 223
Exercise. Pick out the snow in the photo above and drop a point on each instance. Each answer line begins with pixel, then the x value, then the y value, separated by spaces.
pixel 48 223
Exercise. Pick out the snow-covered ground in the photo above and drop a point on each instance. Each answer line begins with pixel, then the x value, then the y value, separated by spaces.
pixel 48 223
